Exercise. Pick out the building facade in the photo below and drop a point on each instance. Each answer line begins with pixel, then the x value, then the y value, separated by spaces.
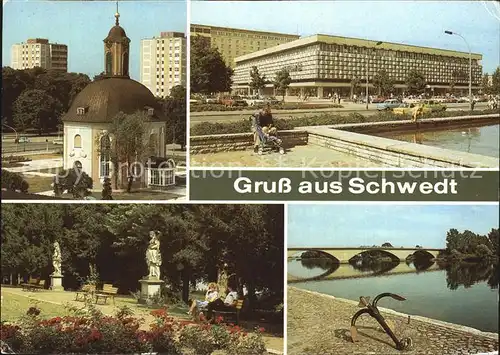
pixel 233 42
pixel 163 62
pixel 38 52
pixel 321 65
pixel 87 142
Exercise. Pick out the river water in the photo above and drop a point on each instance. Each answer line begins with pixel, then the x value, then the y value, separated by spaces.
pixel 456 293
pixel 482 140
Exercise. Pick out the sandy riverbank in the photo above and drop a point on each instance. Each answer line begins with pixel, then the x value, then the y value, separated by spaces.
pixel 319 324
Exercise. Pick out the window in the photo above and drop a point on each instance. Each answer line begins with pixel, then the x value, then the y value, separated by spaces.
pixel 151 111
pixel 77 142
pixel 80 110
pixel 104 158
pixel 108 63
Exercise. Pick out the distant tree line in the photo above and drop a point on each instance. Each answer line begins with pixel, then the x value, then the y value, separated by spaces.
pixel 468 244
pixel 36 99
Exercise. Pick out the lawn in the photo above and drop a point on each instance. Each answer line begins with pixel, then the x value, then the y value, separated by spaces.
pixel 38 183
pixel 14 306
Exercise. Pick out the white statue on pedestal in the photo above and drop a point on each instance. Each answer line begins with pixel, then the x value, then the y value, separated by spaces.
pixel 153 255
pixel 56 259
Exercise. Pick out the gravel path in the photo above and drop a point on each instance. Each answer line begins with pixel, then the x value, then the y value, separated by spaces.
pixel 319 324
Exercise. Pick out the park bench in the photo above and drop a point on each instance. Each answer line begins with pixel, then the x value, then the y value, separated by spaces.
pixel 39 286
pixel 33 284
pixel 87 291
pixel 108 291
pixel 233 314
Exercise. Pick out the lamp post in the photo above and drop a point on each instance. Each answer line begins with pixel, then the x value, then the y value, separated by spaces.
pixel 367 61
pixel 470 65
pixel 17 135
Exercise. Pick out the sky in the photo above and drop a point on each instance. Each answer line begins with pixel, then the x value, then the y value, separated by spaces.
pixel 374 224
pixel 83 25
pixel 418 23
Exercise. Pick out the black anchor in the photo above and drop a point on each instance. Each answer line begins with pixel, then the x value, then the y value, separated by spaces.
pixel 372 310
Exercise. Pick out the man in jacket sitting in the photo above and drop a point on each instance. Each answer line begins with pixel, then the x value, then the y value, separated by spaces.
pixel 264 119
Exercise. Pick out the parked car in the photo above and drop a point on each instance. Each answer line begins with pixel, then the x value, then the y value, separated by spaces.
pixel 406 109
pixel 434 106
pixel 58 141
pixel 23 139
pixel 378 99
pixel 255 100
pixel 271 100
pixel 233 101
pixel 388 105
pixel 211 100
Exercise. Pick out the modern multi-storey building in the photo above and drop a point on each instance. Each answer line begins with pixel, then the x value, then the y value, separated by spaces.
pixel 321 65
pixel 163 62
pixel 233 42
pixel 38 52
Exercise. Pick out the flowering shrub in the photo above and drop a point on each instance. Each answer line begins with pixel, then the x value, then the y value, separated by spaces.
pixel 93 332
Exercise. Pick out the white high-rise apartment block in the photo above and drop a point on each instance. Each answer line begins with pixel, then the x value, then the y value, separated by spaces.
pixel 163 62
pixel 38 52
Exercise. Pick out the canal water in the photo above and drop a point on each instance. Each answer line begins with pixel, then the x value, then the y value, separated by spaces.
pixel 482 140
pixel 457 294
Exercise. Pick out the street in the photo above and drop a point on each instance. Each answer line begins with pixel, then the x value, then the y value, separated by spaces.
pixel 232 116
pixel 8 146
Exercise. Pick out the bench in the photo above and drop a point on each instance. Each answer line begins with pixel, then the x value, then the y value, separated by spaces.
pixel 108 291
pixel 230 314
pixel 87 291
pixel 32 284
pixel 39 286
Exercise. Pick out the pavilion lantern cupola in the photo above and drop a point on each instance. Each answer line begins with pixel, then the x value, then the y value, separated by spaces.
pixel 116 50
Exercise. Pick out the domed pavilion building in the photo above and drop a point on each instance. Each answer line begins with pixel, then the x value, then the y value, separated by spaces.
pixel 92 111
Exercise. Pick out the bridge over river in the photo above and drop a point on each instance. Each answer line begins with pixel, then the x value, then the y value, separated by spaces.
pixel 344 254
pixel 346 271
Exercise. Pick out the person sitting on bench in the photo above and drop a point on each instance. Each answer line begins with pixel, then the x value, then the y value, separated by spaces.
pixel 264 119
pixel 211 295
pixel 228 304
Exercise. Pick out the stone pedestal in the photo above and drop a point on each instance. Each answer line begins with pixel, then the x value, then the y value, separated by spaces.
pixel 149 288
pixel 56 282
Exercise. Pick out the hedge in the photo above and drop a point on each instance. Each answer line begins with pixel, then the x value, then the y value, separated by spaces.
pixel 280 106
pixel 327 118
pixel 14 182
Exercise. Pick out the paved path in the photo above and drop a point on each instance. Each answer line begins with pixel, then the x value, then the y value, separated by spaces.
pixel 36 165
pixel 319 324
pixel 297 157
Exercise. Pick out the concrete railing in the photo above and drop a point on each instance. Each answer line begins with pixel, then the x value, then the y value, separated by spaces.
pixel 240 141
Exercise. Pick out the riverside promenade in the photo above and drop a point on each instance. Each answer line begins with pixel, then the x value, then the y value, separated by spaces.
pixel 320 324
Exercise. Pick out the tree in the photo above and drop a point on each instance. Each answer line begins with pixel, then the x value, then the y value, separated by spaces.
pixel 14 182
pixel 209 73
pixel 174 108
pixel 354 85
pixel 130 143
pixel 75 181
pixel 106 189
pixel 495 82
pixel 282 81
pixel 387 245
pixel 14 82
pixel 383 83
pixel 493 237
pixel 36 109
pixel 485 84
pixel 415 81
pixel 257 81
pixel 100 76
